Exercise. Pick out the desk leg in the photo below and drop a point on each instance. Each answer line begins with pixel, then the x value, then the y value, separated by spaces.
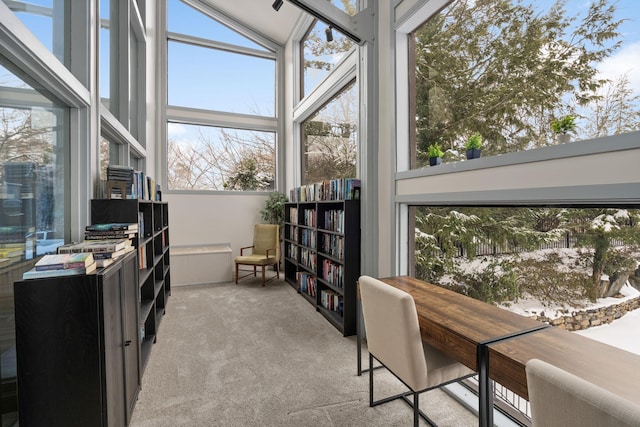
pixel 485 391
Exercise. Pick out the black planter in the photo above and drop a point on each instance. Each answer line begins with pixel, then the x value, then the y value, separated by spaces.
pixel 435 161
pixel 473 153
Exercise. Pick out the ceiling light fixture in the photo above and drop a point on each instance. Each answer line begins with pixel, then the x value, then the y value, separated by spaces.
pixel 277 4
pixel 329 34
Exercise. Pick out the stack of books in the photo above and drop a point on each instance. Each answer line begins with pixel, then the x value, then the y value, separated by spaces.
pixel 122 174
pixel 105 251
pixel 65 264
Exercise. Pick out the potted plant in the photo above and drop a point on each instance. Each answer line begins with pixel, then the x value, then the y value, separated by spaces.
pixel 273 212
pixel 435 154
pixel 562 126
pixel 473 146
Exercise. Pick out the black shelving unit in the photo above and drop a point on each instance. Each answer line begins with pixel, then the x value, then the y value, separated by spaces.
pixel 322 257
pixel 152 244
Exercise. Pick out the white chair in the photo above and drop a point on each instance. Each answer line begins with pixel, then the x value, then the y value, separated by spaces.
pixel 559 398
pixel 393 338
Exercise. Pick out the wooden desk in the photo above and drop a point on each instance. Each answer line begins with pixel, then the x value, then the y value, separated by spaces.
pixel 609 367
pixel 462 328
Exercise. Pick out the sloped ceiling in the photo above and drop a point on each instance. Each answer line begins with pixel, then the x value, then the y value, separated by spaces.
pixel 261 17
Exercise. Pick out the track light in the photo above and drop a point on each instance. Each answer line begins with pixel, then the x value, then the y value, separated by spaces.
pixel 329 34
pixel 277 4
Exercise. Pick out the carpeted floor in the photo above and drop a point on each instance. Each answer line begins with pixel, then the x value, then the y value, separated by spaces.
pixel 243 355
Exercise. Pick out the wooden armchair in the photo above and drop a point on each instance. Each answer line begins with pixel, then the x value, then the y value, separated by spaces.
pixel 265 250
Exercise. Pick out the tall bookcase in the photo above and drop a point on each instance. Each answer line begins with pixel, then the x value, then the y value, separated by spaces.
pixel 152 245
pixel 322 257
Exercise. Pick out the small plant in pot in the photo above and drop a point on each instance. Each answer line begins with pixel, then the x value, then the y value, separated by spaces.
pixel 474 146
pixel 562 127
pixel 435 154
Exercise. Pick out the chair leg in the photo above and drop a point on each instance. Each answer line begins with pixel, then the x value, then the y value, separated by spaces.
pixel 278 270
pixel 416 410
pixel 370 380
pixel 236 273
pixel 263 275
pixel 254 271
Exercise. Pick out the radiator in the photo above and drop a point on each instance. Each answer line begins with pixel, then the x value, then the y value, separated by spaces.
pixel 193 265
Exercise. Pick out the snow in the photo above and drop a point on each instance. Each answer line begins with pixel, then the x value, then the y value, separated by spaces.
pixel 623 333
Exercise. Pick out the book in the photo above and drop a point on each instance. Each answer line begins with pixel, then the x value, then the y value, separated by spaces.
pixel 107 245
pixel 108 255
pixel 113 226
pixel 104 262
pixel 98 235
pixel 64 261
pixel 35 274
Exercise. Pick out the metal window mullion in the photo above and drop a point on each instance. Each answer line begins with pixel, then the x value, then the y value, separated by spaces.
pixel 123 54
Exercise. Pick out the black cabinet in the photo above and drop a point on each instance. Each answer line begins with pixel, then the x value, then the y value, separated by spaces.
pixel 77 340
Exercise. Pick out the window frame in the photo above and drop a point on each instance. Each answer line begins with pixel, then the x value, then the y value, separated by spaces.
pixel 222 119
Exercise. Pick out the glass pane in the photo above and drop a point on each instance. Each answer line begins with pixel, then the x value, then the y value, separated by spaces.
pixel 516 67
pixel 184 19
pixel 216 158
pixel 556 257
pixel 105 52
pixel 217 80
pixel 321 56
pixel 348 6
pixel 134 80
pixel 330 139
pixel 47 20
pixel 32 210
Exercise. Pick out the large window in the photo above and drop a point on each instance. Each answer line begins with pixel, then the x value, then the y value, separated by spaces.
pixel 322 54
pixel 221 113
pixel 330 139
pixel 508 70
pixel 48 20
pixel 34 148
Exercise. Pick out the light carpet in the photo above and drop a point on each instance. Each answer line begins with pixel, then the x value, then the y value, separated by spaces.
pixel 244 355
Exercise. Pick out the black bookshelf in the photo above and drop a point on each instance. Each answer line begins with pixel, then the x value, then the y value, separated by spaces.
pixel 152 244
pixel 322 257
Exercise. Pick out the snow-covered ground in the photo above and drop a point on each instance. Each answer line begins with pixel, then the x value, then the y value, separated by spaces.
pixel 623 333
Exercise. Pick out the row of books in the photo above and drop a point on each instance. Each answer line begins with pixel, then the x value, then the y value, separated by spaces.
pixel 308 258
pixel 333 273
pixel 332 301
pixel 306 283
pixel 335 189
pixel 137 185
pixel 308 238
pixel 292 252
pixel 334 220
pixel 333 245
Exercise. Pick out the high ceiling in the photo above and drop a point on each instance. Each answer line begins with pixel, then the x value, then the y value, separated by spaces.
pixel 260 16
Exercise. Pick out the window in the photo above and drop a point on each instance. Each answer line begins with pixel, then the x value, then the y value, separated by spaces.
pixel 214 79
pixel 122 59
pixel 35 148
pixel 214 158
pixel 221 112
pixel 321 56
pixel 48 20
pixel 515 67
pixel 330 139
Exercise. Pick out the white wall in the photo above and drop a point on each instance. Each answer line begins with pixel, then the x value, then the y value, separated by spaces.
pixel 198 219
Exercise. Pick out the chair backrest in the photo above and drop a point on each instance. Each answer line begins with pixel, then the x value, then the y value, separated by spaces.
pixel 393 331
pixel 266 236
pixel 559 398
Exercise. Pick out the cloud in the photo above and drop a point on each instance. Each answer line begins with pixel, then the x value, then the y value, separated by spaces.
pixel 626 61
pixel 176 129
